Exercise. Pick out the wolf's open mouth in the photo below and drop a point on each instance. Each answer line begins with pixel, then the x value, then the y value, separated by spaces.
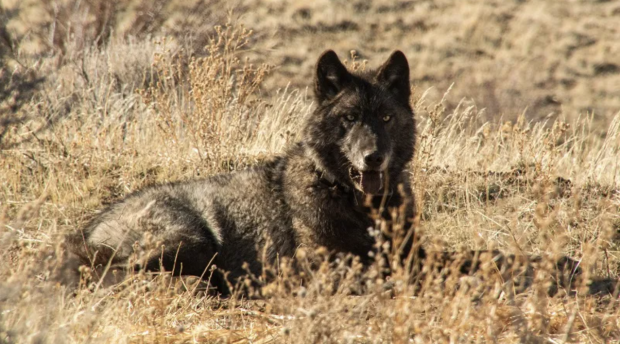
pixel 370 182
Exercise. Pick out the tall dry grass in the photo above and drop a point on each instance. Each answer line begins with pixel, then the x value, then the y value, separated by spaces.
pixel 115 116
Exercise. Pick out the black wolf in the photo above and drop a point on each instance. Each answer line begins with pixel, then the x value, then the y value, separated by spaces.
pixel 355 146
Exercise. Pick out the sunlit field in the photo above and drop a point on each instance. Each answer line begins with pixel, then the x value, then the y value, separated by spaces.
pixel 518 149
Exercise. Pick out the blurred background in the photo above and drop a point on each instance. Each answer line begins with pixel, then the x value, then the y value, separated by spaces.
pixel 542 58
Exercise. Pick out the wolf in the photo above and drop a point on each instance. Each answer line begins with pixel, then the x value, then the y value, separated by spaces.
pixel 355 148
pixel 323 192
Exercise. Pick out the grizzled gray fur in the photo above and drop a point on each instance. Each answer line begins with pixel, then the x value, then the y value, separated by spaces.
pixel 355 145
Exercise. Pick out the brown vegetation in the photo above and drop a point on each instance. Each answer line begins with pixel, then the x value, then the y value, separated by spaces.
pixel 518 148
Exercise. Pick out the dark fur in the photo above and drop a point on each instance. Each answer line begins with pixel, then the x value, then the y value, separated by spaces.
pixel 355 146
pixel 305 198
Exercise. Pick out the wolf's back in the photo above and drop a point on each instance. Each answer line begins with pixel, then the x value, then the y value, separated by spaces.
pixel 185 227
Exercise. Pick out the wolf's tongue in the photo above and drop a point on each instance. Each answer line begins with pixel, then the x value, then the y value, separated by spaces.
pixel 371 181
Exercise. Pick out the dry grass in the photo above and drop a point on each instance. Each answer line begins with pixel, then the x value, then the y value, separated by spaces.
pixel 100 99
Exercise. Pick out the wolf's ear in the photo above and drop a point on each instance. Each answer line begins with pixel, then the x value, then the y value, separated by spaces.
pixel 331 76
pixel 394 74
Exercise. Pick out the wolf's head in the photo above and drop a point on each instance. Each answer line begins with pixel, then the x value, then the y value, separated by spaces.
pixel 363 130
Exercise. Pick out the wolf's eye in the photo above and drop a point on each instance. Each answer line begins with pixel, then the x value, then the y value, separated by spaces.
pixel 387 118
pixel 350 118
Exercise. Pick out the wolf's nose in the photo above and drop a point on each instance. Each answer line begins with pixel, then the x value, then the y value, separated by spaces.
pixel 374 160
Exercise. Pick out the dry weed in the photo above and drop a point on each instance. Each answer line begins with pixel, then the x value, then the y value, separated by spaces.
pixel 128 110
